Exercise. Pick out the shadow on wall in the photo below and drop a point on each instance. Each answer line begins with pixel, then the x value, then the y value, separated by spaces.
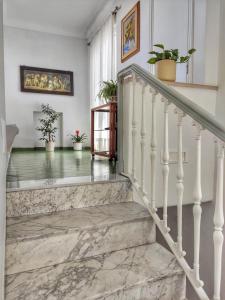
pixel 206 250
pixel 11 132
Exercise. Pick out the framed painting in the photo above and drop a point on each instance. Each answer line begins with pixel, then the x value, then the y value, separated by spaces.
pixel 130 33
pixel 46 81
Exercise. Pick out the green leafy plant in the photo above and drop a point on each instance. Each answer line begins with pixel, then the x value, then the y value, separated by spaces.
pixel 47 127
pixel 108 90
pixel 77 138
pixel 172 54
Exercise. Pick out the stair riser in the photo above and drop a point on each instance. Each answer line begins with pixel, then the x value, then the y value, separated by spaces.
pixel 33 254
pixel 171 288
pixel 41 201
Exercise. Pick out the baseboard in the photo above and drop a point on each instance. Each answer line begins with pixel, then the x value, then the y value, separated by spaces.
pixel 15 149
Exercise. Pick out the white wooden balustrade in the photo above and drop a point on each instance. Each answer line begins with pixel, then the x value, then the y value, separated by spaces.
pixel 218 222
pixel 134 128
pixel 147 118
pixel 143 133
pixel 180 178
pixel 166 157
pixel 153 150
pixel 197 210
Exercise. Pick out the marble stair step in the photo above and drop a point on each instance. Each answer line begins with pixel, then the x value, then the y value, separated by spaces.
pixel 38 241
pixel 147 272
pixel 42 199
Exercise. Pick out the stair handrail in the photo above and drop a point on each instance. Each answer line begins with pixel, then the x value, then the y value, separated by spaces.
pixel 202 120
pixel 197 113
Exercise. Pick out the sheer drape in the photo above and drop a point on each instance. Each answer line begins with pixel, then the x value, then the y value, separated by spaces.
pixel 102 68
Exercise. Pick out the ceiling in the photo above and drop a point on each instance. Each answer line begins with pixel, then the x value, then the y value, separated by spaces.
pixel 66 17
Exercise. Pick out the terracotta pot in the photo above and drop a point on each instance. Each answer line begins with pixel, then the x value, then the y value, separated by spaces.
pixel 77 146
pixel 50 146
pixel 166 70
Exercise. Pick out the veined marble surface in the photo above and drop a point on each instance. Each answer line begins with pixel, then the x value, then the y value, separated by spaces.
pixel 43 240
pixel 170 288
pixel 41 201
pixel 131 272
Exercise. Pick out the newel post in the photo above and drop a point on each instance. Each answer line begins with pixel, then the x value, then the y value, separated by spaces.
pixel 134 127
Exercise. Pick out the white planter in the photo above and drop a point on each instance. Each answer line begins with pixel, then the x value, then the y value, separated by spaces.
pixel 77 146
pixel 50 146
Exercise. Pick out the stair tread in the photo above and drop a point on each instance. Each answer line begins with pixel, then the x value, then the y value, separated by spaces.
pixel 65 222
pixel 96 277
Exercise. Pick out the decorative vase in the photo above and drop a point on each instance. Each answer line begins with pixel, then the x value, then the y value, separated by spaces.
pixel 166 70
pixel 50 146
pixel 77 146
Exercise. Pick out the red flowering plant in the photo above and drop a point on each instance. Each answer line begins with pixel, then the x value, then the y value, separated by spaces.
pixel 77 138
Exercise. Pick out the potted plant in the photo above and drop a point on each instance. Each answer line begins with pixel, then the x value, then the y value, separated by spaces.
pixel 47 127
pixel 78 140
pixel 108 91
pixel 166 61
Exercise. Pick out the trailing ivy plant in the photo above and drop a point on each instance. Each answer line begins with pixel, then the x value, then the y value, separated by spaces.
pixel 172 54
pixel 47 127
pixel 108 90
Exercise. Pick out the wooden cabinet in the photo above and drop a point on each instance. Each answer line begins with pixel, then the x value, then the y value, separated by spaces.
pixel 111 130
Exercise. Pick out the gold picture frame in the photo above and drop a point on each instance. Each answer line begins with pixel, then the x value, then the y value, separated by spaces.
pixel 130 33
pixel 46 81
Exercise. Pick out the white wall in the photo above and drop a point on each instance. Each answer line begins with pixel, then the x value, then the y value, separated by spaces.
pixel 145 37
pixel 168 17
pixel 220 107
pixel 212 43
pixel 169 22
pixel 32 48
pixel 2 159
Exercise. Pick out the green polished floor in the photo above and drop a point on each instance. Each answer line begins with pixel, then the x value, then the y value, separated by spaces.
pixel 38 164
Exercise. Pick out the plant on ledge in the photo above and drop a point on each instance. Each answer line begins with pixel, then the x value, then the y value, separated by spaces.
pixel 78 140
pixel 47 127
pixel 108 91
pixel 166 60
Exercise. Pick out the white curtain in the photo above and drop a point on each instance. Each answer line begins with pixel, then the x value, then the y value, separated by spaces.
pixel 102 68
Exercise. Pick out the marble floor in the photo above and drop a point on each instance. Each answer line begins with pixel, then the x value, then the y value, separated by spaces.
pixel 62 166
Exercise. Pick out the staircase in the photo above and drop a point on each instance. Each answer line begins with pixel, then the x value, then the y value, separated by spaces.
pixel 172 150
pixel 87 241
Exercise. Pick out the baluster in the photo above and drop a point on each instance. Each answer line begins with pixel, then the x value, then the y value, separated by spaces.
pixel 165 158
pixel 180 180
pixel 143 134
pixel 153 150
pixel 134 128
pixel 218 222
pixel 197 209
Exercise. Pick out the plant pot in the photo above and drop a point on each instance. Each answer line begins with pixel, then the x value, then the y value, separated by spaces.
pixel 166 70
pixel 50 146
pixel 77 146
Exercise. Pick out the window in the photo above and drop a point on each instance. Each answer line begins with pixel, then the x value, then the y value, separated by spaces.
pixel 102 68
